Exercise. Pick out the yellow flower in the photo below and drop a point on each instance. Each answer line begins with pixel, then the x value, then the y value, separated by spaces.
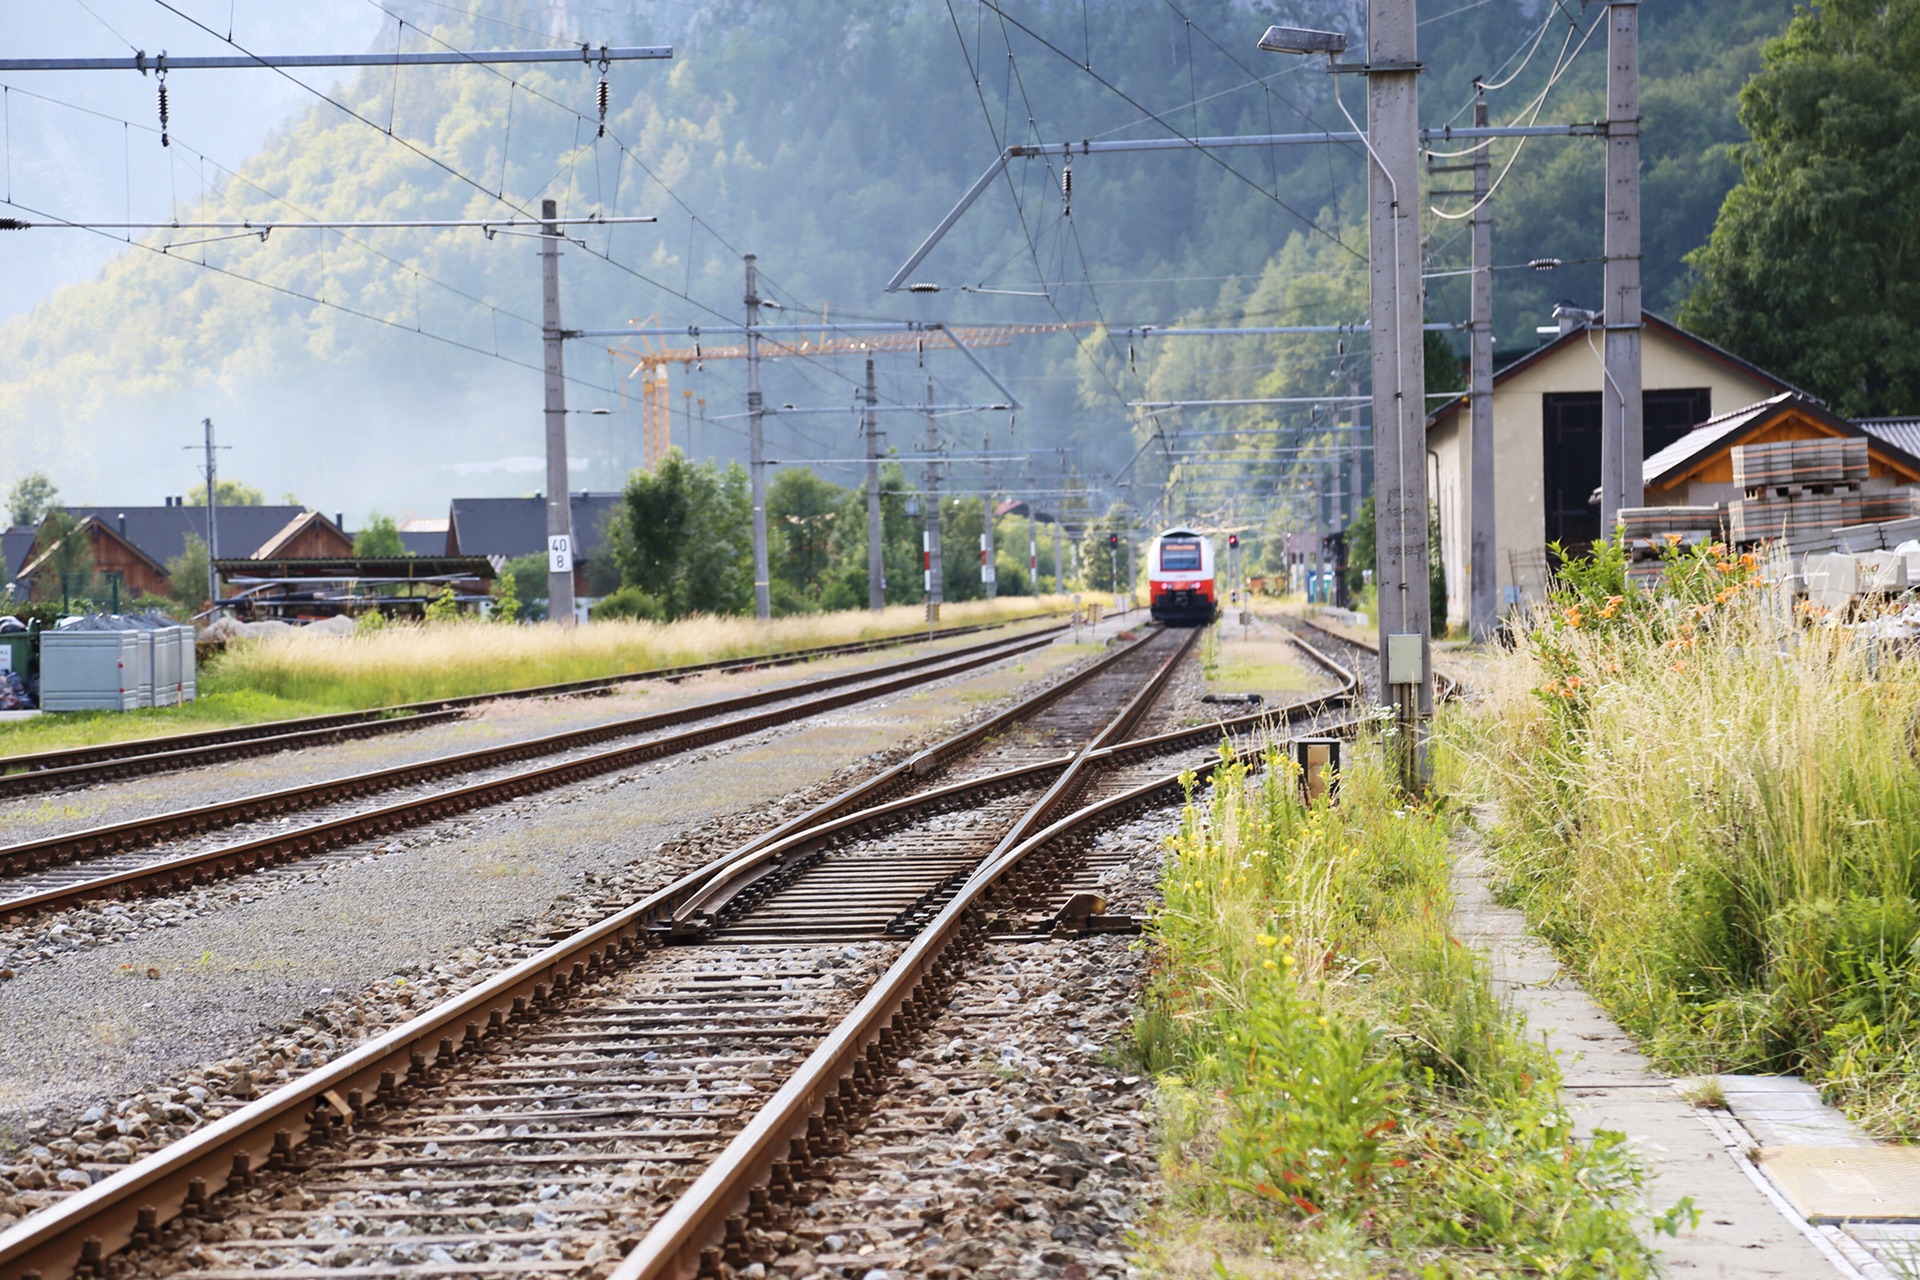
pixel 1287 941
pixel 1287 961
pixel 1269 964
pixel 1265 939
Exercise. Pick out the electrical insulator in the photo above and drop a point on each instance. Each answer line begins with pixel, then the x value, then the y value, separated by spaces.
pixel 604 95
pixel 164 141
pixel 1066 191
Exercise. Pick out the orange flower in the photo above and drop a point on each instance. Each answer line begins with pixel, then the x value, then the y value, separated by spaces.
pixel 1673 539
pixel 1573 617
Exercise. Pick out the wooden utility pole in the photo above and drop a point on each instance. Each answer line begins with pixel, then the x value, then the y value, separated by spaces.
pixel 1622 440
pixel 1483 608
pixel 757 447
pixel 876 560
pixel 1399 380
pixel 560 549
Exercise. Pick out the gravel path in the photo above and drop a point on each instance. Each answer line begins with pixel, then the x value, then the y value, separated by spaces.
pixel 97 1021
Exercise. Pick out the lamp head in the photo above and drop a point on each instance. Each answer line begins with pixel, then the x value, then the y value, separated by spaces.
pixel 1303 40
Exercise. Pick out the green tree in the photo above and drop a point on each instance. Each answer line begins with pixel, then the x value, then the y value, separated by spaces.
pixel 803 514
pixel 31 498
pixel 233 493
pixel 685 537
pixel 187 575
pixel 1813 269
pixel 657 508
pixel 69 554
pixel 524 579
pixel 378 538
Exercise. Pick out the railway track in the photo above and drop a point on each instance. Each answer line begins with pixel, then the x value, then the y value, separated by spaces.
pixel 676 1071
pixel 72 767
pixel 133 858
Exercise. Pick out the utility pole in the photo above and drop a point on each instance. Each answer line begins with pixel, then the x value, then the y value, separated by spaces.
pixel 213 519
pixel 930 547
pixel 987 560
pixel 876 561
pixel 757 447
pixel 1130 570
pixel 1059 506
pixel 1399 380
pixel 1483 609
pixel 559 507
pixel 1622 440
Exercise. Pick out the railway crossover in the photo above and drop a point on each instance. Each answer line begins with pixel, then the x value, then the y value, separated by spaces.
pixel 638 1097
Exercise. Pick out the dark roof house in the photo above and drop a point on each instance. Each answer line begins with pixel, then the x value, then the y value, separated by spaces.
pixel 510 527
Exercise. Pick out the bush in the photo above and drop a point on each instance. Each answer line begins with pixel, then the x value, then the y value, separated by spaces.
pixel 628 602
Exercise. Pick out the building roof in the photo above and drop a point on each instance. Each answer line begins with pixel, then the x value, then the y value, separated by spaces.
pixel 161 532
pixel 1723 431
pixel 428 542
pixel 357 568
pixel 15 545
pixel 293 529
pixel 512 527
pixel 1901 433
pixel 87 527
pixel 1651 323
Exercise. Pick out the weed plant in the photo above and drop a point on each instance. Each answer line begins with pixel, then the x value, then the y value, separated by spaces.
pixel 1712 809
pixel 1336 1074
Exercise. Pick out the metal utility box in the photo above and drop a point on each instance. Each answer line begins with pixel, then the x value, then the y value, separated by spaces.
pixel 84 669
pixel 173 661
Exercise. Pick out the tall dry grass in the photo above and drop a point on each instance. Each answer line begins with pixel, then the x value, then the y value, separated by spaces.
pixel 413 664
pixel 1714 812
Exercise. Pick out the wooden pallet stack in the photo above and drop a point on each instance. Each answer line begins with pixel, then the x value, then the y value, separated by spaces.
pixel 1649 531
pixel 1799 491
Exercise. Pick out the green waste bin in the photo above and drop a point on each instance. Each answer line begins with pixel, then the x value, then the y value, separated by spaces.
pixel 20 651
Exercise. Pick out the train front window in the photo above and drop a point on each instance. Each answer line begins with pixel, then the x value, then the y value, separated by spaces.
pixel 1180 557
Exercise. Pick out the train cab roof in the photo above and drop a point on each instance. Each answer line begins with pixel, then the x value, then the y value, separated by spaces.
pixel 1179 532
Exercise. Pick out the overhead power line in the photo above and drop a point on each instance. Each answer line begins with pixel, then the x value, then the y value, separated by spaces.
pixel 161 63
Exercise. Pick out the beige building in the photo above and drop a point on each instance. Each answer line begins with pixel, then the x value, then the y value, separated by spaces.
pixel 1546 428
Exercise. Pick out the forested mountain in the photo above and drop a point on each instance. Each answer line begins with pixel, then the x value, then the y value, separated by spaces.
pixel 827 137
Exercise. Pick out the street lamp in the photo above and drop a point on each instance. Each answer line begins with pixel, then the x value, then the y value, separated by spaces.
pixel 1303 40
pixel 1392 67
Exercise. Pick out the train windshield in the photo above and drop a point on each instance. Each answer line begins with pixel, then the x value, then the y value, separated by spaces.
pixel 1180 556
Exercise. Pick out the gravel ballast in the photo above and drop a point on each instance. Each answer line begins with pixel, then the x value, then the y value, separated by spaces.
pixel 96 1023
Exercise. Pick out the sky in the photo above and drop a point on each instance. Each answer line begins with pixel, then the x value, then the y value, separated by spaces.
pixel 63 161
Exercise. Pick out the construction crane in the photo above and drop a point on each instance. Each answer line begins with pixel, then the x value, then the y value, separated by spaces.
pixel 656 405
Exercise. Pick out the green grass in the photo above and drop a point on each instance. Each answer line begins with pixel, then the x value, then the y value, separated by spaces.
pixel 1267 665
pixel 1340 1092
pixel 302 674
pixel 1713 813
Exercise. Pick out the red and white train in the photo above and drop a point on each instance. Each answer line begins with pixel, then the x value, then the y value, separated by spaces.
pixel 1180 578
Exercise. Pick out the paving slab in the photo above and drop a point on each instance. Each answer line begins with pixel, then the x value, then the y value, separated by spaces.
pixel 1742 1230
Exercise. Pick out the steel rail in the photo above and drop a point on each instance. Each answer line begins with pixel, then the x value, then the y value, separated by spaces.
pixel 130 1206
pixel 19 773
pixel 199 868
pixel 137 832
pixel 681 1244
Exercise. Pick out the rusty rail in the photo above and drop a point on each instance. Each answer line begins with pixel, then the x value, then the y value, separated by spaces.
pixel 83 766
pixel 199 868
pixel 129 1207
